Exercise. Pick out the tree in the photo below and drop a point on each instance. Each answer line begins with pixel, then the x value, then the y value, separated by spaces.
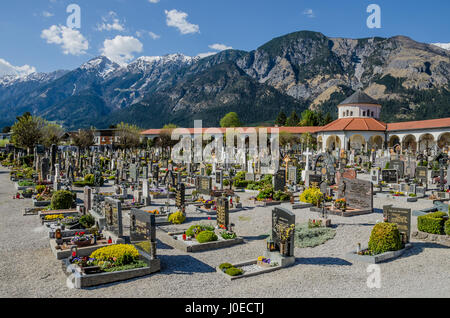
pixel 129 136
pixel 52 134
pixel 84 139
pixel 293 120
pixel 281 119
pixel 230 120
pixel 27 131
pixel 6 129
pixel 287 138
pixel 170 126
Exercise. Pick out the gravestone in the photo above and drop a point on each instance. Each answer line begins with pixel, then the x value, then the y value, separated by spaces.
pixel 357 193
pixel 345 173
pixel 223 218
pixel 375 175
pixel 422 175
pixel 204 185
pixel 219 179
pixel 398 165
pixel 113 214
pixel 279 181
pixel 401 217
pixel 180 195
pixel 134 173
pixel 145 193
pixel 389 175
pixel 249 177
pixel 87 198
pixel 143 231
pixel 282 219
pixel 314 180
pixel 44 168
pixel 292 175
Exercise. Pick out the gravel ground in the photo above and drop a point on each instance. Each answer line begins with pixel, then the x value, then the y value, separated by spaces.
pixel 29 269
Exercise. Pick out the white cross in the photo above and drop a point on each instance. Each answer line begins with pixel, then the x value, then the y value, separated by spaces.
pixel 307 154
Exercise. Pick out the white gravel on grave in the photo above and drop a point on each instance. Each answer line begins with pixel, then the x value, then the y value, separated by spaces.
pixel 29 269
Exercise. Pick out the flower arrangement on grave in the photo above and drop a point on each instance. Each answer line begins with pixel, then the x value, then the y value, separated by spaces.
pixel 227 235
pixel 314 223
pixel 263 262
pixel 112 259
pixel 70 220
pixel 54 217
pixel 285 233
pixel 81 239
pixel 398 194
pixel 155 211
pixel 265 194
pixel 340 204
pixel 196 229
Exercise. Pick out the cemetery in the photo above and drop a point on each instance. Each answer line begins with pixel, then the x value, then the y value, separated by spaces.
pixel 118 219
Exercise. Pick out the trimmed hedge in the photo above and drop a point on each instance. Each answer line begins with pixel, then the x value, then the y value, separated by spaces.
pixel 233 271
pixel 206 236
pixel 177 218
pixel 432 223
pixel 447 227
pixel 385 237
pixel 62 200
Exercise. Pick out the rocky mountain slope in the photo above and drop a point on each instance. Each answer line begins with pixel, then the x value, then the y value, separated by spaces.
pixel 293 72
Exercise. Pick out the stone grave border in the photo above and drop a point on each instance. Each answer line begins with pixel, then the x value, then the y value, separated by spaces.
pixel 168 238
pixel 82 280
pixel 429 237
pixel 81 251
pixel 377 258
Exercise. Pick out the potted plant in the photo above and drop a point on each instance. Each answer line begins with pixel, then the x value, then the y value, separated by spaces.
pixel 81 239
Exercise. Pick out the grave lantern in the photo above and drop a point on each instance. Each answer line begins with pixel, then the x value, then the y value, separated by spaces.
pixel 74 252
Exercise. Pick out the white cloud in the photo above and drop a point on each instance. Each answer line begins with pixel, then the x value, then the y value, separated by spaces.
pixel 220 47
pixel 71 40
pixel 178 20
pixel 445 46
pixel 202 55
pixel 154 36
pixel 111 22
pixel 7 68
pixel 47 14
pixel 153 1
pixel 120 48
pixel 309 13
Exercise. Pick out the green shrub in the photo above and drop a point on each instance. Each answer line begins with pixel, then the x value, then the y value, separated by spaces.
pixel 431 223
pixel 311 195
pixel 89 178
pixel 87 221
pixel 266 193
pixel 281 196
pixel 233 271
pixel 197 228
pixel 40 188
pixel 177 218
pixel 206 236
pixel 226 182
pixel 62 200
pixel 225 266
pixel 447 227
pixel 385 237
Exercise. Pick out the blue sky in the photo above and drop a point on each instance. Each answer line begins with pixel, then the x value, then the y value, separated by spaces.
pixel 34 34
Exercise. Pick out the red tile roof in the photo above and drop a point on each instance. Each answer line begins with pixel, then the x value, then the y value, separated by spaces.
pixel 422 124
pixel 355 124
pixel 343 124
pixel 292 130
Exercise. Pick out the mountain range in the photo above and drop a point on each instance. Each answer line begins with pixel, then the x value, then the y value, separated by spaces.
pixel 297 71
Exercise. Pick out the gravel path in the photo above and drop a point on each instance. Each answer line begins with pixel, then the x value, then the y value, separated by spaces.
pixel 29 269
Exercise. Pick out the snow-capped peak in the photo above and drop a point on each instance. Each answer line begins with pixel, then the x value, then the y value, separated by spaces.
pixel 101 64
pixel 445 46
